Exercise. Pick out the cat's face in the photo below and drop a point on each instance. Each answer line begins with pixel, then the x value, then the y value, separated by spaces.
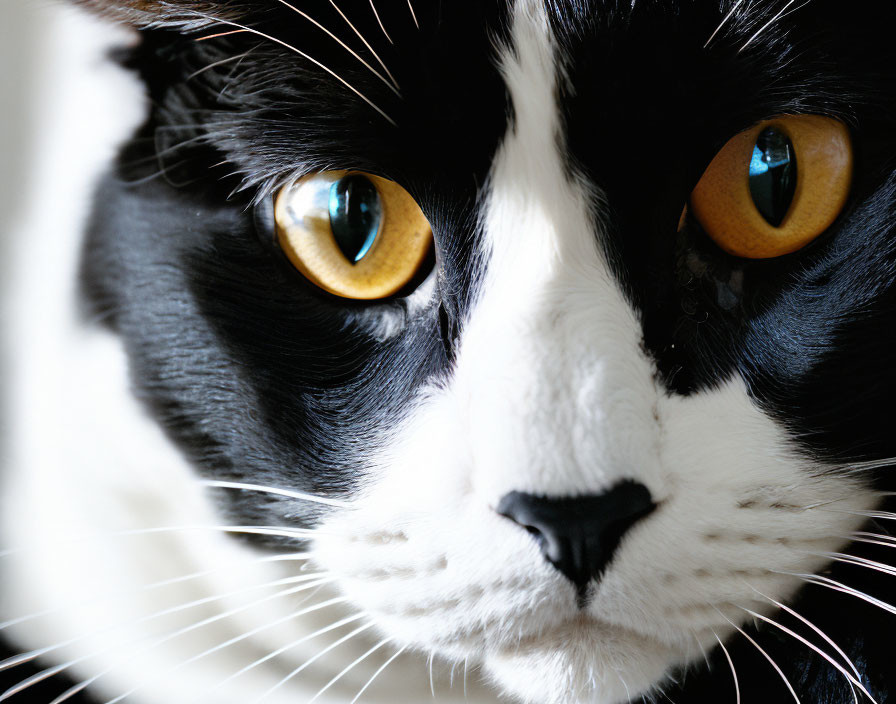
pixel 573 332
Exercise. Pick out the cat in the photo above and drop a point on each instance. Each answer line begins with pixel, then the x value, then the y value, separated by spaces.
pixel 545 346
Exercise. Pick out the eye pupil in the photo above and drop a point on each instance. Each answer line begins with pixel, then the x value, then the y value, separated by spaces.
pixel 355 215
pixel 773 175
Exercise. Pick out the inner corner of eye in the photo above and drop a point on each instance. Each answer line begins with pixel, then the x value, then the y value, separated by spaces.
pixel 773 174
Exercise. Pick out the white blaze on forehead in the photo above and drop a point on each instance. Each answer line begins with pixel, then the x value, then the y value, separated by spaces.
pixel 551 341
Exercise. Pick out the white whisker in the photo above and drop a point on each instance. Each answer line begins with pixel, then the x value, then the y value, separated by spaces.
pixel 731 665
pixel 366 43
pixel 837 666
pixel 377 674
pixel 34 654
pixel 348 668
pixel 815 628
pixel 837 586
pixel 288 493
pixel 297 556
pixel 432 684
pixel 413 14
pixel 380 22
pixel 303 55
pixel 724 22
pixel 289 646
pixel 342 44
pixel 228 643
pixel 311 660
pixel 857 561
pixel 765 655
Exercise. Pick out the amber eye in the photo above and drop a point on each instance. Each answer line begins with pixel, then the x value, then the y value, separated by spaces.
pixel 353 234
pixel 774 188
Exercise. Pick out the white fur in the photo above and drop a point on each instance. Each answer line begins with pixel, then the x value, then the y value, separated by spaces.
pixel 551 393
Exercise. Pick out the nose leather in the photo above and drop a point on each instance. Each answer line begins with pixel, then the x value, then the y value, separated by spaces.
pixel 578 535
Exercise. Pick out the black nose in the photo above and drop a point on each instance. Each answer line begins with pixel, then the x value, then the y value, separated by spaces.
pixel 579 535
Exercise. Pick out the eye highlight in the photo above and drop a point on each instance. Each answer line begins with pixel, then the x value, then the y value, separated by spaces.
pixel 353 234
pixel 774 188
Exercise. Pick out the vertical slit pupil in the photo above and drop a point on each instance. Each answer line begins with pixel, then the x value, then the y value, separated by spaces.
pixel 355 215
pixel 773 175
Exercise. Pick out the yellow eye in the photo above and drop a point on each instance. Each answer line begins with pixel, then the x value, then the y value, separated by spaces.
pixel 774 188
pixel 353 234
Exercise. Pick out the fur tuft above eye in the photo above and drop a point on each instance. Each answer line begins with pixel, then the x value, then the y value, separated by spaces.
pixel 775 187
pixel 352 234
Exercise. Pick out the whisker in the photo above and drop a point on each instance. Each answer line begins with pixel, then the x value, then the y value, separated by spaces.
pixel 815 628
pixel 852 680
pixel 22 658
pixel 289 646
pixel 823 581
pixel 731 665
pixel 303 55
pixel 765 655
pixel 719 28
pixel 369 48
pixel 432 684
pixel 377 674
pixel 767 25
pixel 228 643
pixel 348 668
pixel 299 533
pixel 413 14
pixel 341 43
pixel 311 660
pixel 857 561
pixel 380 22
pixel 284 557
pixel 288 493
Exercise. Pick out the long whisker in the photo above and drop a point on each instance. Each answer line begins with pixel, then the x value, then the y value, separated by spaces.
pixel 731 665
pixel 311 660
pixel 288 493
pixel 290 646
pixel 815 628
pixel 723 23
pixel 34 654
pixel 50 672
pixel 823 581
pixel 284 557
pixel 342 44
pixel 348 668
pixel 857 561
pixel 366 43
pixel 413 14
pixel 852 680
pixel 282 531
pixel 303 55
pixel 377 674
pixel 232 641
pixel 380 22
pixel 765 655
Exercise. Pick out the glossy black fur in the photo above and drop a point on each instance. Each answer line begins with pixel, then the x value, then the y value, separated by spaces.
pixel 260 376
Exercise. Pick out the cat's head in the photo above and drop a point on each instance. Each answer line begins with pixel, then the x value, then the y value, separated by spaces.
pixel 583 430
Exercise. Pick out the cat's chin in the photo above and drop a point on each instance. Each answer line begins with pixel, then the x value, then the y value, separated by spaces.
pixel 582 662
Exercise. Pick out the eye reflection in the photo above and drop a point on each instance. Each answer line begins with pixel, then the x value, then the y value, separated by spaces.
pixel 773 175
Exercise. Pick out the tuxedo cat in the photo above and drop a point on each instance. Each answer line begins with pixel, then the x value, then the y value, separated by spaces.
pixel 510 351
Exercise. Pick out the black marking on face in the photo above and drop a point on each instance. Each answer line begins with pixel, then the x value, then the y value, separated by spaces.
pixel 645 109
pixel 253 370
